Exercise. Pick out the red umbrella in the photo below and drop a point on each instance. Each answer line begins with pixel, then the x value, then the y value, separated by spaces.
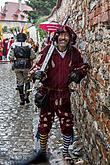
pixel 49 26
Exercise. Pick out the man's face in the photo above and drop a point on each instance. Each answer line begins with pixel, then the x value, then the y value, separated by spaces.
pixel 63 40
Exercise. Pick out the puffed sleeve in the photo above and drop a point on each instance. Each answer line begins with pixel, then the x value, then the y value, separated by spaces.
pixel 39 60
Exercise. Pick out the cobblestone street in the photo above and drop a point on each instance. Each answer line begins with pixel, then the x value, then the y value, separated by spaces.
pixel 15 121
pixel 18 124
pixel 68 43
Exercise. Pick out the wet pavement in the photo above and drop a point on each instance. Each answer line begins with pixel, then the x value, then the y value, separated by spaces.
pixel 16 138
pixel 18 124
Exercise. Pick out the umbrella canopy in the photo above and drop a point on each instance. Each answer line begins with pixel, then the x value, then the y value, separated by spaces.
pixel 49 26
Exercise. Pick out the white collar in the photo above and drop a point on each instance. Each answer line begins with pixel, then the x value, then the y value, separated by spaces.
pixel 62 54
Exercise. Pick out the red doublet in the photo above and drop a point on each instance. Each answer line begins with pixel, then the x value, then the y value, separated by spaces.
pixel 57 82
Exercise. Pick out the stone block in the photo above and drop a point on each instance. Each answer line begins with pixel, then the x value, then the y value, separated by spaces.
pixel 105 16
pixel 105 7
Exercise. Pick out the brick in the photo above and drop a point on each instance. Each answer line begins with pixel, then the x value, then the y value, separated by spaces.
pixel 91 16
pixel 104 152
pixel 105 17
pixel 106 111
pixel 93 97
pixel 109 68
pixel 100 79
pixel 108 140
pixel 91 22
pixel 105 7
pixel 79 17
pixel 95 20
pixel 106 58
pixel 95 12
pixel 93 92
pixel 108 124
pixel 98 11
pixel 90 107
pixel 93 102
pixel 104 121
pixel 99 18
pixel 102 149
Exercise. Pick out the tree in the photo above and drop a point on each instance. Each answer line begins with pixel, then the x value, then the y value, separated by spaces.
pixel 40 8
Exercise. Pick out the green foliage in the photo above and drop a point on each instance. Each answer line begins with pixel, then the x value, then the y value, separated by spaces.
pixel 5 29
pixel 41 31
pixel 40 8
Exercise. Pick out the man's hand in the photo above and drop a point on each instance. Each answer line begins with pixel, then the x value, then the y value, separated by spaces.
pixel 86 67
pixel 30 74
pixel 40 75
pixel 79 73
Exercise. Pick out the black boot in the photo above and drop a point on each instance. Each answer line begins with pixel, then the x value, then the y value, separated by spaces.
pixel 17 86
pixel 27 87
pixel 27 100
pixel 22 102
pixel 20 88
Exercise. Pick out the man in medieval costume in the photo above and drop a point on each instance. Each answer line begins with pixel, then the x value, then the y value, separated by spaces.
pixel 65 65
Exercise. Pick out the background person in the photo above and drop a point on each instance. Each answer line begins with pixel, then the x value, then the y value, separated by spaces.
pixel 22 56
pixel 35 46
pixel 1 49
pixel 5 48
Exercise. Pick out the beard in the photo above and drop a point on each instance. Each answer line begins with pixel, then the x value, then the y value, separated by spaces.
pixel 63 43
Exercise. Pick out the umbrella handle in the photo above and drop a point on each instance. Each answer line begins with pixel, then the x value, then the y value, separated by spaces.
pixel 65 20
pixel 63 23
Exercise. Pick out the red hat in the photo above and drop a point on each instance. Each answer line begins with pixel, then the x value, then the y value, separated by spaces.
pixel 70 31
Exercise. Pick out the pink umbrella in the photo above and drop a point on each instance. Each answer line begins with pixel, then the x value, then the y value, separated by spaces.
pixel 49 26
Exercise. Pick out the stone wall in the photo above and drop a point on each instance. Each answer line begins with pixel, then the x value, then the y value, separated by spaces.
pixel 91 101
